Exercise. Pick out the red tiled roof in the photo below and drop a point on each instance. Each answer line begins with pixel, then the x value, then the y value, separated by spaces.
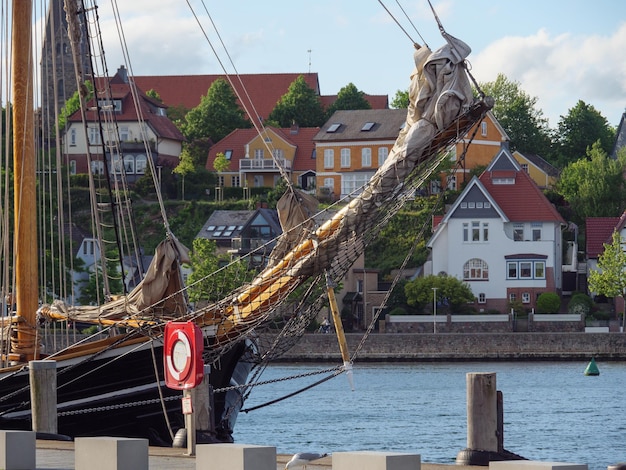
pixel 264 90
pixel 598 231
pixel 522 201
pixel 237 140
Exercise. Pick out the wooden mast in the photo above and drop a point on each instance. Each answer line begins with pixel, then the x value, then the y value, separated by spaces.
pixel 25 216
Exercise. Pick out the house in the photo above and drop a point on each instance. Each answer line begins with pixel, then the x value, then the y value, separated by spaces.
pixel 599 231
pixel 478 147
pixel 134 124
pixel 240 233
pixel 256 159
pixel 352 145
pixel 501 236
pixel 541 172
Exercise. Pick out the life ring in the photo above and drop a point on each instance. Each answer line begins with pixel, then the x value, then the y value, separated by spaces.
pixel 178 356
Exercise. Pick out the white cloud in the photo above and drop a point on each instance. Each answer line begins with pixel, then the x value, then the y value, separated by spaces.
pixel 560 70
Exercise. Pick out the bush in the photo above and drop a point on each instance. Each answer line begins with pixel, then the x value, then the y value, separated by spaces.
pixel 548 302
pixel 580 304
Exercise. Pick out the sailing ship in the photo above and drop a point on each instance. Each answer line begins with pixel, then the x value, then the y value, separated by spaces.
pixel 113 383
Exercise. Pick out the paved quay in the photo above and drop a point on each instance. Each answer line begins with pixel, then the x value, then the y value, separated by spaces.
pixel 58 455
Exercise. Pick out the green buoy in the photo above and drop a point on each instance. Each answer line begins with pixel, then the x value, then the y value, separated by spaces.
pixel 592 368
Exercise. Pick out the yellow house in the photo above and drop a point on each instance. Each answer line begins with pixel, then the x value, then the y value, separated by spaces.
pixel 351 146
pixel 256 160
pixel 540 171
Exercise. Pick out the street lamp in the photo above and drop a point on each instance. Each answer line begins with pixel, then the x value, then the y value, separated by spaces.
pixel 434 310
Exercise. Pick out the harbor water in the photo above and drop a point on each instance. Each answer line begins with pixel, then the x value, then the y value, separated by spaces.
pixel 552 411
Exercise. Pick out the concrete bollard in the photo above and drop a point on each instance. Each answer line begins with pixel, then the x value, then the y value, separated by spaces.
pixel 110 453
pixel 235 457
pixel 535 465
pixel 18 450
pixel 43 395
pixel 367 460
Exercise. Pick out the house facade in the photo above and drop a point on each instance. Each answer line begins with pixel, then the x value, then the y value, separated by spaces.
pixel 121 142
pixel 256 159
pixel 352 145
pixel 502 237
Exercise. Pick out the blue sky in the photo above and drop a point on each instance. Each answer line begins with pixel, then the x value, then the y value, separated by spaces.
pixel 558 51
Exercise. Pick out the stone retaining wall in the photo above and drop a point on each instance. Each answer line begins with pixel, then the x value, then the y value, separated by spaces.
pixel 462 347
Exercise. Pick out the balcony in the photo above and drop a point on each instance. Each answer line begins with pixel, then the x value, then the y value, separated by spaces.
pixel 263 164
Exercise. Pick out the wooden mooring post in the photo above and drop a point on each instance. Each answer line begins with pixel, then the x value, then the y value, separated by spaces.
pixel 43 396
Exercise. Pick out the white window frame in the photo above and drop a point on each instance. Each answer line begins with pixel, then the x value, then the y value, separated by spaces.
pixel 141 162
pixel 383 153
pixel 525 297
pixel 329 183
pixel 345 158
pixel 475 269
pixel 482 298
pixel 483 129
pixel 329 158
pixel 366 157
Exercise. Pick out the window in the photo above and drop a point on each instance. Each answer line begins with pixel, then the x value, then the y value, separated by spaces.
pixel 452 182
pixel 525 167
pixel 333 128
pixel 258 181
pixel 383 153
pixel 73 137
pixel 279 154
pixel 366 157
pixel 350 183
pixel 234 181
pixel 526 269
pixel 475 270
pixel 482 298
pixel 512 297
pixel 124 134
pixel 329 158
pixel 518 232
pixel 525 297
pixel 483 129
pixel 220 181
pixel 94 136
pixel 368 126
pixel 129 164
pixel 536 229
pixel 228 154
pixel 479 232
pixel 140 164
pixel 540 270
pixel 116 165
pixel 258 154
pixel 329 183
pixel 345 158
pixel 359 286
pixel 97 167
pixel 72 167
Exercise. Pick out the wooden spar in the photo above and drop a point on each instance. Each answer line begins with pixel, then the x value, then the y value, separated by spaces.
pixel 25 228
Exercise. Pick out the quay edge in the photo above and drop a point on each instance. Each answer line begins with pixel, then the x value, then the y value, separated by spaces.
pixel 425 347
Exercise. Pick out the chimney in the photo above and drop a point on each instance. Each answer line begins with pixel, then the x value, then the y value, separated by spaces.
pixel 123 73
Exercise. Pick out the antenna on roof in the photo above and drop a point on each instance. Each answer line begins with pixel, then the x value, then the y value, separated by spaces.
pixel 309 51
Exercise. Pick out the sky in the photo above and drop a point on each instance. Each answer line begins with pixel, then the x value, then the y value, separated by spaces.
pixel 558 51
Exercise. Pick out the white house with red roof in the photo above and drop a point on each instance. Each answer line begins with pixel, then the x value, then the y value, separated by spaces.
pixel 132 125
pixel 502 237
pixel 255 159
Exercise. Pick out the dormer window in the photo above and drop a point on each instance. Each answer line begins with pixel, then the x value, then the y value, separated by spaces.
pixel 333 128
pixel 368 126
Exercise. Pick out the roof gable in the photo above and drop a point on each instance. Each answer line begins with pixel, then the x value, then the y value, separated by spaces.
pixel 516 193
pixel 598 231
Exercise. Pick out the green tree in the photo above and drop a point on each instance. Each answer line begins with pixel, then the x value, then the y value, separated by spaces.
pixel 579 129
pixel 300 105
pixel 517 113
pixel 92 291
pixel 152 93
pixel 610 277
pixel 208 282
pixel 217 115
pixel 594 186
pixel 450 292
pixel 221 163
pixel 73 104
pixel 349 97
pixel 548 302
pixel 400 100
